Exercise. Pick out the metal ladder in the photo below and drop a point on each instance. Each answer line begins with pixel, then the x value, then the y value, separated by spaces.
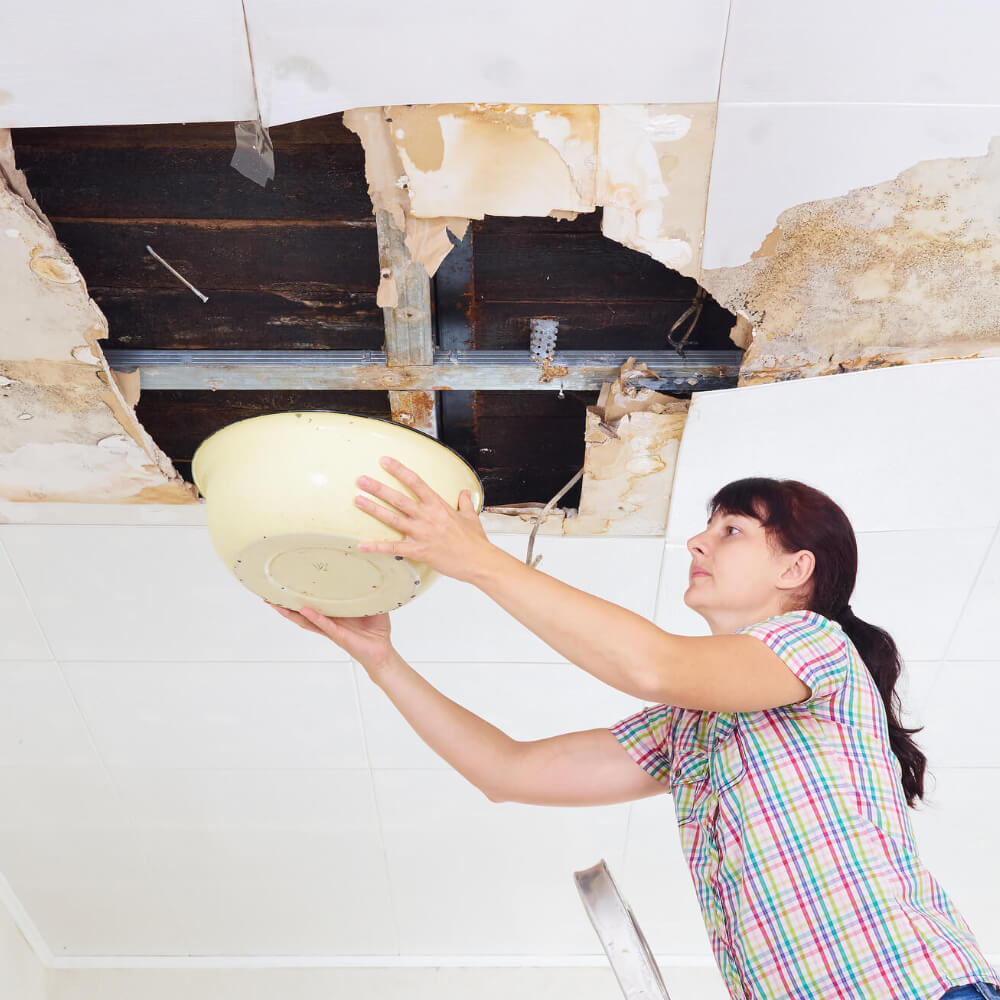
pixel 623 942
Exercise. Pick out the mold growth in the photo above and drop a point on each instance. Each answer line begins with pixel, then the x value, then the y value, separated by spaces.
pixel 895 273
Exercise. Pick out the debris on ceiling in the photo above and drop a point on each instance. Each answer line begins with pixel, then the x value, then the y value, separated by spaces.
pixel 632 436
pixel 69 431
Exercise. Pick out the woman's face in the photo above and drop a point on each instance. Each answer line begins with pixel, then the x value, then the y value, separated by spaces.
pixel 736 577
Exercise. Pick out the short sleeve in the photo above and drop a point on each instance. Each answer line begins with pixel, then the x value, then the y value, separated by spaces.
pixel 647 736
pixel 814 648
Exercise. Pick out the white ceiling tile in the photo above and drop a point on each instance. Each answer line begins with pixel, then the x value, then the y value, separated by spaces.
pixel 278 800
pixel 269 892
pixel 957 838
pixel 41 799
pixel 914 688
pixel 672 614
pixel 474 877
pixel 780 50
pixel 40 725
pixel 147 593
pixel 117 917
pixel 221 715
pixel 308 63
pixel 772 157
pixel 194 877
pixel 959 716
pixel 105 63
pixel 470 626
pixel 931 419
pixel 75 858
pixel 975 637
pixel 914 584
pixel 528 701
pixel 372 983
pixel 338 907
pixel 656 882
pixel 22 639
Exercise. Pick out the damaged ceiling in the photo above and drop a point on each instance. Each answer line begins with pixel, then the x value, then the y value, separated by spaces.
pixel 831 237
pixel 296 267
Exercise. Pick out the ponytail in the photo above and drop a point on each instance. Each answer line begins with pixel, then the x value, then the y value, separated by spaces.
pixel 881 657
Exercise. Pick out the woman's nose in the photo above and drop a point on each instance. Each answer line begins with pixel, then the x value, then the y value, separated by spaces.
pixel 695 544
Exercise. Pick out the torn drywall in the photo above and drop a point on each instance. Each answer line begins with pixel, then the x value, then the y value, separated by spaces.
pixel 647 165
pixel 654 165
pixel 895 273
pixel 426 238
pixel 632 439
pixel 67 432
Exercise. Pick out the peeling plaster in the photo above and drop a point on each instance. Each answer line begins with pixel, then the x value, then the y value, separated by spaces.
pixel 901 272
pixel 66 431
pixel 647 165
pixel 632 439
pixel 426 238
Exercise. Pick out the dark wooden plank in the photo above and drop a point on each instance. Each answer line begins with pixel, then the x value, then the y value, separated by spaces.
pixel 311 182
pixel 327 130
pixel 292 318
pixel 599 326
pixel 530 444
pixel 180 421
pixel 585 222
pixel 569 266
pixel 223 255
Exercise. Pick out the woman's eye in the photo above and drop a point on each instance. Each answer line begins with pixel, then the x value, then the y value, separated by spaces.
pixel 732 527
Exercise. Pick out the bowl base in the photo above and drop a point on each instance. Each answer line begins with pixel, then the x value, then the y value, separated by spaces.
pixel 325 571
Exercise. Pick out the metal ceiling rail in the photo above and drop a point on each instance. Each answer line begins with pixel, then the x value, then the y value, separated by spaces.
pixel 462 370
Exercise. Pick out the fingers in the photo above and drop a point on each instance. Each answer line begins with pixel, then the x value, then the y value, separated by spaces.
pixel 325 625
pixel 295 617
pixel 384 514
pixel 409 477
pixel 387 548
pixel 398 500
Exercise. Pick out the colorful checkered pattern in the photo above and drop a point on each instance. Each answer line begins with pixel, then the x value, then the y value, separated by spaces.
pixel 795 828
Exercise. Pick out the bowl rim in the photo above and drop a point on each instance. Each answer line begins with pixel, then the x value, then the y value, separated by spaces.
pixel 346 413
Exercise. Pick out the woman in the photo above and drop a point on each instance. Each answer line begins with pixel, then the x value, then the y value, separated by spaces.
pixel 778 736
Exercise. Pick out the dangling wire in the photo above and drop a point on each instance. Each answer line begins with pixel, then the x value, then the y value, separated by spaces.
pixel 543 513
pixel 694 311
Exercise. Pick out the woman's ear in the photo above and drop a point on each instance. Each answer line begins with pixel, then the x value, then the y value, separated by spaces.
pixel 798 569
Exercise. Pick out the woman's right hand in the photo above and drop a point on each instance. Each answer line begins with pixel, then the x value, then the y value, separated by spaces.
pixel 363 639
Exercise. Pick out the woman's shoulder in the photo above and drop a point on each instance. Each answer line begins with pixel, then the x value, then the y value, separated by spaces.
pixel 803 622
pixel 814 647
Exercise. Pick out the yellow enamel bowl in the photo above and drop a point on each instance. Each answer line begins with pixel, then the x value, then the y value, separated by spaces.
pixel 279 493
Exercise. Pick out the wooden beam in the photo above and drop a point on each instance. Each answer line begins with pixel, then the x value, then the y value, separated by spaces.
pixel 409 334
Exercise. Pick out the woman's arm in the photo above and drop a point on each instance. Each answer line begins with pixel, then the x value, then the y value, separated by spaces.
pixel 576 769
pixel 724 673
pixel 721 673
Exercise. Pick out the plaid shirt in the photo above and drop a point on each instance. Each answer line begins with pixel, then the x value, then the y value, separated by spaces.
pixel 795 828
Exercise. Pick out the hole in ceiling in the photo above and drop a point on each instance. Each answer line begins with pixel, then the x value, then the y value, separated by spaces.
pixel 295 267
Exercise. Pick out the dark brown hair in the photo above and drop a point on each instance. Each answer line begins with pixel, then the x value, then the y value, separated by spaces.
pixel 796 516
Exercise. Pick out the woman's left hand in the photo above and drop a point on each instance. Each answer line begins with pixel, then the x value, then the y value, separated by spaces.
pixel 450 541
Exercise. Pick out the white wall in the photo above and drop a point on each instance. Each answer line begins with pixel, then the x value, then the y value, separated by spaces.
pixel 22 976
pixel 366 984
